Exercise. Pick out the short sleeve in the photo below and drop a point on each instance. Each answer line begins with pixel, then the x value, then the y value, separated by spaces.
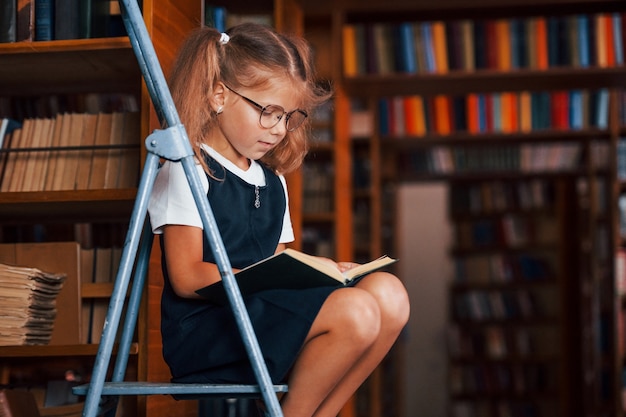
pixel 171 201
pixel 287 234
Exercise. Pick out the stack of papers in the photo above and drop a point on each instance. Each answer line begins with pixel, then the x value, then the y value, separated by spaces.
pixel 27 305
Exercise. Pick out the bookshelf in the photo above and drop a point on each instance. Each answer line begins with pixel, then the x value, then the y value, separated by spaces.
pixel 468 151
pixel 40 79
pixel 509 301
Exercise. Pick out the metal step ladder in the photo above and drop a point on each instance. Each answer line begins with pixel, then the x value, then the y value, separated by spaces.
pixel 173 144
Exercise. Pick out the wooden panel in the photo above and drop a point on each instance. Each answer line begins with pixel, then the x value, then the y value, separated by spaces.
pixel 70 66
pixel 54 257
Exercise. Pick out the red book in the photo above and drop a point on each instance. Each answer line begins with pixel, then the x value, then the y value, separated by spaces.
pixel 492 44
pixel 541 33
pixel 442 115
pixel 471 107
pixel 610 40
pixel 414 116
pixel 559 110
pixel 514 115
pixel 489 112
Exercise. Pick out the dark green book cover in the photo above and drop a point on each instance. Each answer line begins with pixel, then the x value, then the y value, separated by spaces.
pixel 290 269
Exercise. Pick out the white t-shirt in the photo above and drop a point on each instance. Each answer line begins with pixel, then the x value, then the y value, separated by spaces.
pixel 172 202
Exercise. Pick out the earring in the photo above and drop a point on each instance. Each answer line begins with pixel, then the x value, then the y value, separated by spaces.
pixel 219 109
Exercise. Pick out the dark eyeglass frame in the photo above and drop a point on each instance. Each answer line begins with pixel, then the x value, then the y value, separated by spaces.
pixel 285 114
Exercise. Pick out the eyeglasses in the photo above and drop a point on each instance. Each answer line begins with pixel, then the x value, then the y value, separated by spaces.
pixel 272 114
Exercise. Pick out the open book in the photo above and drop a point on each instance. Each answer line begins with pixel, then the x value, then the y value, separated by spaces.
pixel 291 269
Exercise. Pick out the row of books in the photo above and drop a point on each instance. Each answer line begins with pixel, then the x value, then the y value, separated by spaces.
pixel 488 305
pixel 503 378
pixel 501 112
pixel 510 230
pixel 499 196
pixel 480 269
pixel 46 20
pixel 501 408
pixel 621 158
pixel 317 187
pixel 29 304
pixel 98 265
pixel 497 342
pixel 621 205
pixel 620 263
pixel 538 42
pixel 72 151
pixel 222 18
pixel 523 159
pixel 49 105
pixel 319 241
pixel 81 311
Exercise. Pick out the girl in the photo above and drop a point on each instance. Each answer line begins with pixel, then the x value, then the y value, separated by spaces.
pixel 244 98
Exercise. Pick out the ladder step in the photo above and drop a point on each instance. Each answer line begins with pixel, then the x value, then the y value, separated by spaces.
pixel 179 389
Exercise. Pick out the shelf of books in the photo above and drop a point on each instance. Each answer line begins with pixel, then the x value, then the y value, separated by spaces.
pixel 500 99
pixel 73 110
pixel 619 227
pixel 510 327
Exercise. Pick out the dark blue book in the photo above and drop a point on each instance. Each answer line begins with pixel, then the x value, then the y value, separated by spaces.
pixel 406 60
pixel 515 34
pixel 459 114
pixel 522 43
pixel 8 16
pixel 480 45
pixel 582 31
pixel 576 109
pixel 66 19
pixel 565 49
pixel 383 116
pixel 482 113
pixel 429 47
pixel 215 16
pixel 602 109
pixel 84 19
pixel 592 40
pixel 617 38
pixel 553 41
pixel 44 20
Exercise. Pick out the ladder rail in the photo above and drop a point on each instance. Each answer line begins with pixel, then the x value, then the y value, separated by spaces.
pixel 173 144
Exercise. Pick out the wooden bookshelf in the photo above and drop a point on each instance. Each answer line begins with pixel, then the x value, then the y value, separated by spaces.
pixel 71 68
pixel 583 184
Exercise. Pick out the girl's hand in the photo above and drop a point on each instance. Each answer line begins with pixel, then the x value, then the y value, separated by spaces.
pixel 346 266
pixel 341 266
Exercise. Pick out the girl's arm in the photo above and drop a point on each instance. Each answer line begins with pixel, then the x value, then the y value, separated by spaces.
pixel 183 247
pixel 183 252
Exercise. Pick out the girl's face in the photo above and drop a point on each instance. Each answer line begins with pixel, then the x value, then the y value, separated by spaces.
pixel 240 136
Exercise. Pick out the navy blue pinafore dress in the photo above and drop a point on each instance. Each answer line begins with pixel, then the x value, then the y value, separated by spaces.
pixel 200 340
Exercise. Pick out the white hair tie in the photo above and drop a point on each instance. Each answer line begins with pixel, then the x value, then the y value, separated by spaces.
pixel 224 38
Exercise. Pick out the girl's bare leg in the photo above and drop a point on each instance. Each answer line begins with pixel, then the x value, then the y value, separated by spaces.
pixel 352 333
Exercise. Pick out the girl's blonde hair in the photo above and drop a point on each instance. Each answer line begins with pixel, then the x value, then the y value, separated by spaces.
pixel 252 58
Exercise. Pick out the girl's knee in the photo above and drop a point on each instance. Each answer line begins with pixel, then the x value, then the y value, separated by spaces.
pixel 392 298
pixel 357 315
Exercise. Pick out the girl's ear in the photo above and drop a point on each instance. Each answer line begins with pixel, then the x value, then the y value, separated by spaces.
pixel 217 98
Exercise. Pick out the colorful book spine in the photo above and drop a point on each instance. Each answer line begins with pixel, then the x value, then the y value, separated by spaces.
pixel 406 58
pixel 44 20
pixel 429 49
pixel 618 33
pixel 349 51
